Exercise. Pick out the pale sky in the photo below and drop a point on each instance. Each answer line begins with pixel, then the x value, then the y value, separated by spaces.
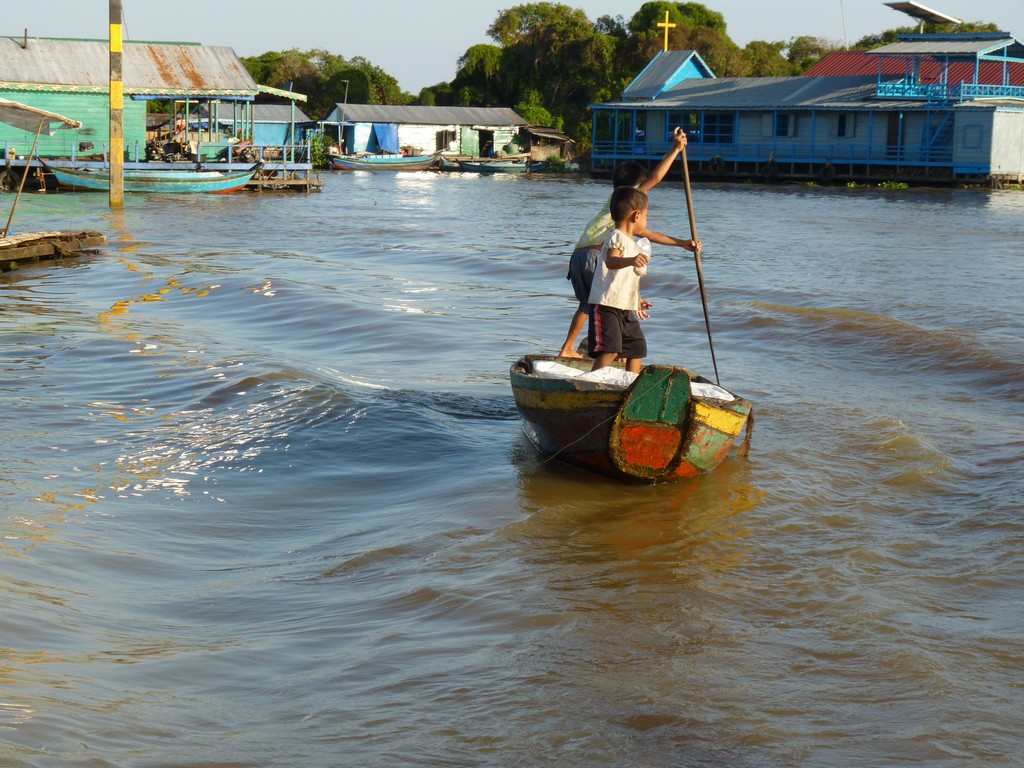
pixel 419 43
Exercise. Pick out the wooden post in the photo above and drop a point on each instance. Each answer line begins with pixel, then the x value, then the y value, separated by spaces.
pixel 116 108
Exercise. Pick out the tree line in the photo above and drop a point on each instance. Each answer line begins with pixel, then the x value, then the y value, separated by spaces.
pixel 550 61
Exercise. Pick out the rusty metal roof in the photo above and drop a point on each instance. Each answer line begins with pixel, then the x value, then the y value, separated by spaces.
pixel 148 68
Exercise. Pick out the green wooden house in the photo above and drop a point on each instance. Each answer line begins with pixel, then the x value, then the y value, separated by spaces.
pixel 71 78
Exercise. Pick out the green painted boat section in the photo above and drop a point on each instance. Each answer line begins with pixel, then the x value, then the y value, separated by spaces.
pixel 660 394
pixel 705 453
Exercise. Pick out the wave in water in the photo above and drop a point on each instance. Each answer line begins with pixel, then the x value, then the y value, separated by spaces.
pixel 891 345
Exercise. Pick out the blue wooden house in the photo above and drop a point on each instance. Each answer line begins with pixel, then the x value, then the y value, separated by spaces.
pixel 939 108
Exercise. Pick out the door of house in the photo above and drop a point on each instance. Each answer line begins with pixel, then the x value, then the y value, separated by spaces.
pixel 894 136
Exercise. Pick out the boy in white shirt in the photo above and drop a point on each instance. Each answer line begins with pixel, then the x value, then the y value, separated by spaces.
pixel 583 262
pixel 615 304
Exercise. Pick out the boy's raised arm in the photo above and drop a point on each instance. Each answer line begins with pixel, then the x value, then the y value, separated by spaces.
pixel 663 167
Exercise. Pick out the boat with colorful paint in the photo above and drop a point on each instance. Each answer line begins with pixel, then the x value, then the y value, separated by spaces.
pixel 383 162
pixel 664 424
pixel 163 181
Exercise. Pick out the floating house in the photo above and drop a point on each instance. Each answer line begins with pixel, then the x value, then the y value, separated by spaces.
pixel 71 77
pixel 941 108
pixel 420 130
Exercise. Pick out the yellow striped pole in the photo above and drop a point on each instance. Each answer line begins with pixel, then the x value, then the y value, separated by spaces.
pixel 116 108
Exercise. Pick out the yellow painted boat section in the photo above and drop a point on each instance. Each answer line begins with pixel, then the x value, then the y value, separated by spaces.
pixel 723 421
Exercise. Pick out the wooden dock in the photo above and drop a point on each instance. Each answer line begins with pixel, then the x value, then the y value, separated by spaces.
pixel 27 247
pixel 279 177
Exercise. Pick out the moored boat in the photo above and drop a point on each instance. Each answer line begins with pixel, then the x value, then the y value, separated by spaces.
pixel 520 165
pixel 142 180
pixel 664 424
pixel 383 162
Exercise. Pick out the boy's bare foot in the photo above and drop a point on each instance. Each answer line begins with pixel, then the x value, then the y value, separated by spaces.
pixel 569 353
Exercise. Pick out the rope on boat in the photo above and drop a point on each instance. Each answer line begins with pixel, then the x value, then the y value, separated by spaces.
pixel 597 426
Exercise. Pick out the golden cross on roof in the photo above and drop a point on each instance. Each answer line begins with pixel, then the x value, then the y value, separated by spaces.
pixel 667 26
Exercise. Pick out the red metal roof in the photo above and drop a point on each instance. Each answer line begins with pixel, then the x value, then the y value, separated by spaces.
pixel 841 63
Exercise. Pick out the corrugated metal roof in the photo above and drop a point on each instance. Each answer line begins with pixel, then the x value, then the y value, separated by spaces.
pixel 841 63
pixel 768 93
pixel 277 113
pixel 927 48
pixel 547 133
pixel 412 115
pixel 147 67
pixel 660 72
pixel 963 46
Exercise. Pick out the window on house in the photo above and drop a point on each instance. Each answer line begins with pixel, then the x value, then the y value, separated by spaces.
pixel 846 125
pixel 973 137
pixel 688 121
pixel 778 124
pixel 719 128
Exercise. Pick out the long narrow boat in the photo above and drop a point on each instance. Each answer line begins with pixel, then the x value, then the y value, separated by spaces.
pixel 172 181
pixel 494 166
pixel 666 424
pixel 383 162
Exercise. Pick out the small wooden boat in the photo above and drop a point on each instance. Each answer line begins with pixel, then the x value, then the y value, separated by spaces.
pixel 667 424
pixel 494 166
pixel 383 162
pixel 172 181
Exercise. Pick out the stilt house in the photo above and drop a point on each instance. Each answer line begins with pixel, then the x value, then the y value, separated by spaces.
pixel 945 108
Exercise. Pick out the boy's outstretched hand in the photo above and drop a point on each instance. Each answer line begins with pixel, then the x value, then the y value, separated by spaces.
pixel 678 139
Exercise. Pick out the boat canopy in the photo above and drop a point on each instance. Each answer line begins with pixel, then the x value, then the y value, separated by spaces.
pixel 30 118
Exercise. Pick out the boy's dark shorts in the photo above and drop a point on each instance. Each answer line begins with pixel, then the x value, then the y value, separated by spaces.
pixel 582 266
pixel 615 330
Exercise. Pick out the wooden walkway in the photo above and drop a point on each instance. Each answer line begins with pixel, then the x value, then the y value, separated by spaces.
pixel 27 247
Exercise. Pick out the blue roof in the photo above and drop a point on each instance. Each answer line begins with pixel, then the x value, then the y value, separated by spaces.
pixel 667 69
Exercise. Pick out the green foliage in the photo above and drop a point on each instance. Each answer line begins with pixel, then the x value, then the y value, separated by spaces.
pixel 805 51
pixel 533 111
pixel 323 77
pixel 894 185
pixel 480 80
pixel 612 26
pixel 763 59
pixel 318 145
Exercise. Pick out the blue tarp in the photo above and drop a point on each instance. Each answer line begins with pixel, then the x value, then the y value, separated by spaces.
pixel 387 136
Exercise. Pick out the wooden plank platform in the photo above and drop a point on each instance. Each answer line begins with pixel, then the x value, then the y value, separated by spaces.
pixel 26 247
pixel 297 184
pixel 275 176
